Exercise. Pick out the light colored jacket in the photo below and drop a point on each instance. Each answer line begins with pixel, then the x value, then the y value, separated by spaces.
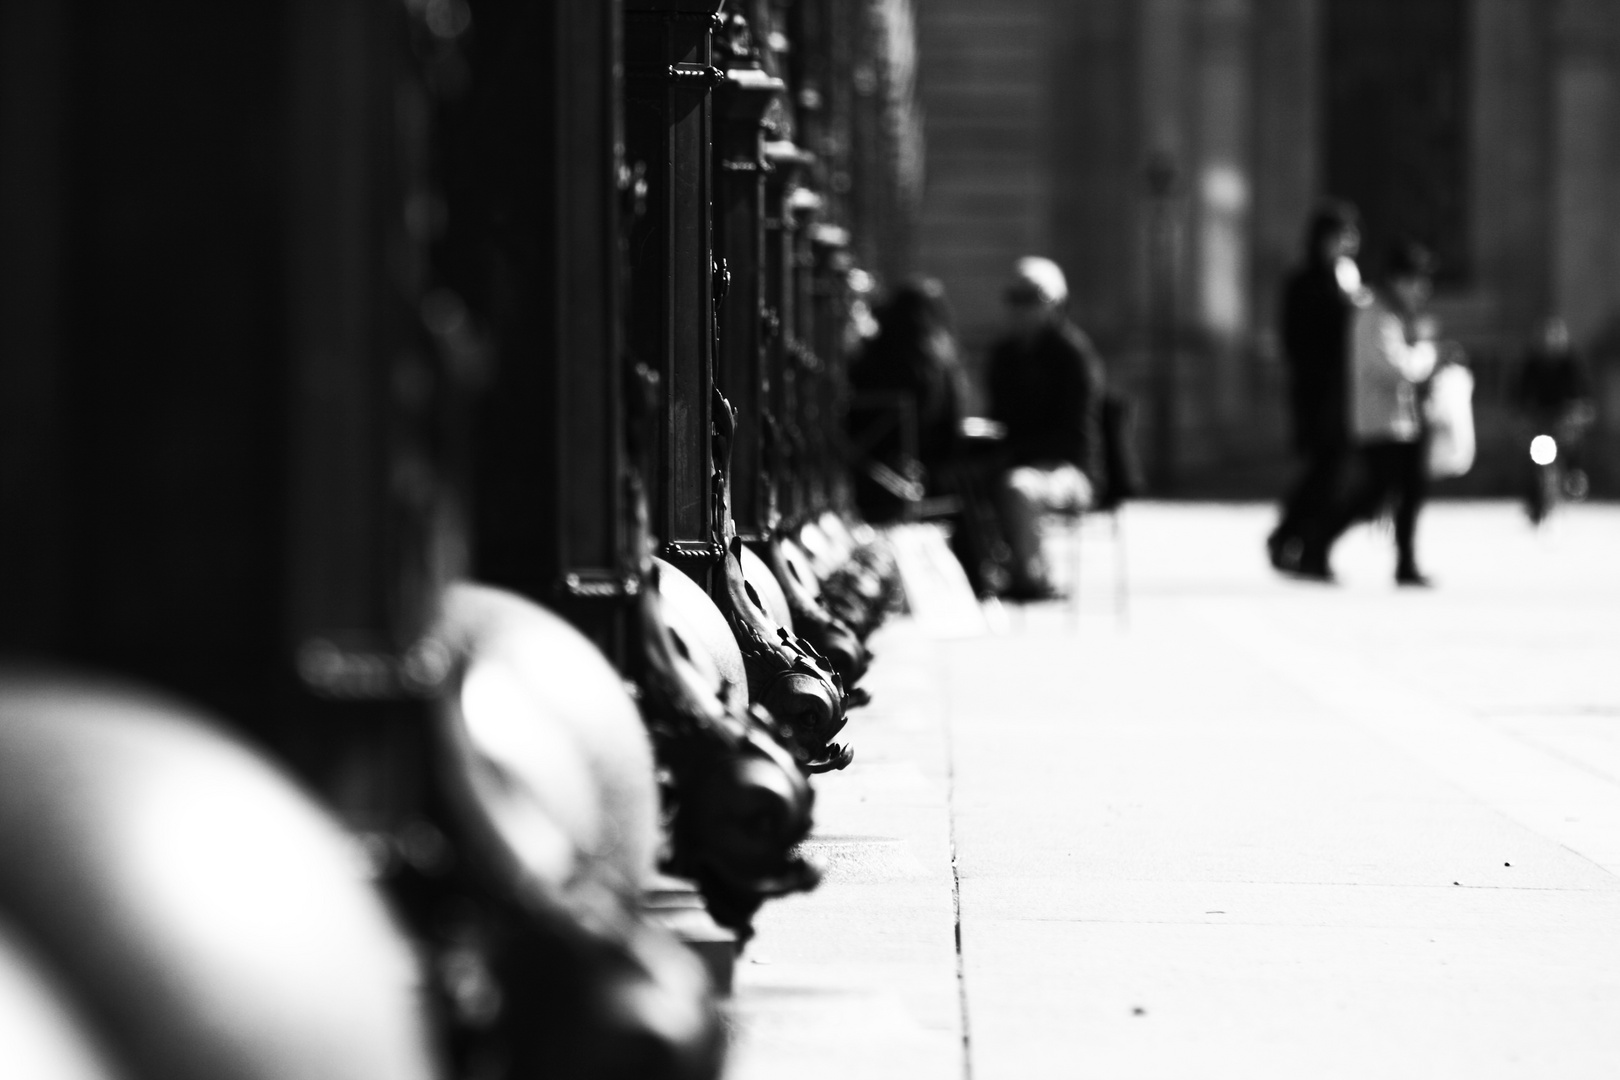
pixel 1385 372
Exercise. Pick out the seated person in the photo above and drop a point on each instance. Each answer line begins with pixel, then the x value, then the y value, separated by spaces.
pixel 1046 384
pixel 913 357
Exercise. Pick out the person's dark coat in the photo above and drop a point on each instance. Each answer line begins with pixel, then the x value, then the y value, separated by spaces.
pixel 1316 339
pixel 1549 383
pixel 1049 394
pixel 923 368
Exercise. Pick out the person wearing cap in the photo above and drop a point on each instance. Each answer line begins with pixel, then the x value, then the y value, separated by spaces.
pixel 1392 355
pixel 1318 301
pixel 1046 385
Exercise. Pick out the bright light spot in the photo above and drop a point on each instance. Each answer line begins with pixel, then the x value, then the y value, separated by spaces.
pixel 1225 189
pixel 1543 450
pixel 1348 274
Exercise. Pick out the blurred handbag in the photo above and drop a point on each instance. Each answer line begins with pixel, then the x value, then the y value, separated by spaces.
pixel 1450 414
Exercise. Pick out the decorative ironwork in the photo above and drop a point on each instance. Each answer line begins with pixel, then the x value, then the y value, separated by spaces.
pixel 348 673
pixel 600 585
pixel 691 551
pixel 786 673
pixel 700 76
pixel 738 804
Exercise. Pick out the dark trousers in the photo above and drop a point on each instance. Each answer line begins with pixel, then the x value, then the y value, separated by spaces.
pixel 1385 473
pixel 1314 496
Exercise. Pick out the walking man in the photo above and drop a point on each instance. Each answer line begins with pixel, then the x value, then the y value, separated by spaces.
pixel 1318 300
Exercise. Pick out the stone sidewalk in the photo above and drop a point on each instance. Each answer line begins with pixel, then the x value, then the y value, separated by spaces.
pixel 1260 829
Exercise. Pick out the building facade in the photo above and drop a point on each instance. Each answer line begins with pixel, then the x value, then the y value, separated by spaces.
pixel 1168 152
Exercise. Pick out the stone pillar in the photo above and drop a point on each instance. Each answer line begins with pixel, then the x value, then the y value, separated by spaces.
pixel 1096 227
pixel 1584 255
pixel 1221 184
pixel 1162 88
pixel 987 195
pixel 1163 273
pixel 1511 161
pixel 1286 154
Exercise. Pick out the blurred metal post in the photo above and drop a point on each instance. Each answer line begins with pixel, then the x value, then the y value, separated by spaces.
pixel 669 75
pixel 741 105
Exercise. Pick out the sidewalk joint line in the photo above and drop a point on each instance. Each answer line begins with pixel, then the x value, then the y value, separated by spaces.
pixel 956 895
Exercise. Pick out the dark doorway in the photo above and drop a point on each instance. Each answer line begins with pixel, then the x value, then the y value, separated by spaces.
pixel 1396 123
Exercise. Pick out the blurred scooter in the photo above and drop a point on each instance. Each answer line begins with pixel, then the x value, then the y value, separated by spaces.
pixel 1554 474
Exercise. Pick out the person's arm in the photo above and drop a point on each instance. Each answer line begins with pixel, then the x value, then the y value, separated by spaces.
pixel 1410 361
pixel 1418 360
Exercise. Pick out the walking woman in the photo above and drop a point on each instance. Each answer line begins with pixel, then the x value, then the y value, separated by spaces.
pixel 1392 355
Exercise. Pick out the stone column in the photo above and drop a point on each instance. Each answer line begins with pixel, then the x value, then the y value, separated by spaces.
pixel 1286 153
pixel 1161 96
pixel 1096 177
pixel 1511 162
pixel 1221 184
pixel 1584 254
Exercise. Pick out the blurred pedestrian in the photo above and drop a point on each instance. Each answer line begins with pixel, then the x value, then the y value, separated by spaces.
pixel 1317 303
pixel 1552 387
pixel 1392 355
pixel 1552 393
pixel 911 363
pixel 1046 385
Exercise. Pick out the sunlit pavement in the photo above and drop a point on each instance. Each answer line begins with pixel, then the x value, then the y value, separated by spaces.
pixel 1248 827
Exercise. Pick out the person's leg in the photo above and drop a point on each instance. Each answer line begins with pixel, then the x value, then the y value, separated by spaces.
pixel 1349 499
pixel 1313 502
pixel 1028 492
pixel 1019 498
pixel 1411 483
pixel 1286 540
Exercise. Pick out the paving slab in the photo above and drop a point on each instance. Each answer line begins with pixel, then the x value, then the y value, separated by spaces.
pixel 1251 827
pixel 859 978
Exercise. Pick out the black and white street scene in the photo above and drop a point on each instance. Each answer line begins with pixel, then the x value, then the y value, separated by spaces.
pixel 810 540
